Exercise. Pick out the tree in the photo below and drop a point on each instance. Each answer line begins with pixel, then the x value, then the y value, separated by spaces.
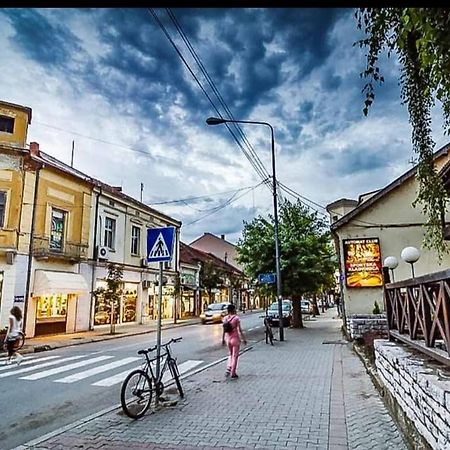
pixel 210 277
pixel 113 291
pixel 306 261
pixel 421 40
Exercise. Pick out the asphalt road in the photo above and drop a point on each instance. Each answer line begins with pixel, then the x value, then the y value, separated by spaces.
pixel 55 388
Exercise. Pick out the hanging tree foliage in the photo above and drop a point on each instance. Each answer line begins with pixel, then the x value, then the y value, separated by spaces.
pixel 421 39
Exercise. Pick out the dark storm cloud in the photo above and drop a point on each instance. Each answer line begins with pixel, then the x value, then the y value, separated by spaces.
pixel 41 40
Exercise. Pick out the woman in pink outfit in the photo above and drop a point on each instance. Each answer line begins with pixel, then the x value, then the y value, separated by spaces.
pixel 233 340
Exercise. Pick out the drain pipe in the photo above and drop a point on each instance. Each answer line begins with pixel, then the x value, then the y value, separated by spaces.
pixel 94 261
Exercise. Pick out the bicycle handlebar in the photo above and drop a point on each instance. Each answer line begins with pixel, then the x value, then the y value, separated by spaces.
pixel 152 349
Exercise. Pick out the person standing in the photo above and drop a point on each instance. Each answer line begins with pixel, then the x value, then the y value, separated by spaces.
pixel 14 328
pixel 233 340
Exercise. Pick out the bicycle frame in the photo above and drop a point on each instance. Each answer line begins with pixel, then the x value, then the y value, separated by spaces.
pixel 166 356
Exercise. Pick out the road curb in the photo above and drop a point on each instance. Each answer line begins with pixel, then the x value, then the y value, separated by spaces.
pixel 28 445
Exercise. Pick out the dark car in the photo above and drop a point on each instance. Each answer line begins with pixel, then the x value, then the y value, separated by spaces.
pixel 273 316
pixel 215 312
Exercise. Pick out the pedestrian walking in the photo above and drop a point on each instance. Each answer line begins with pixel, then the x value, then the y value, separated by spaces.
pixel 232 336
pixel 12 335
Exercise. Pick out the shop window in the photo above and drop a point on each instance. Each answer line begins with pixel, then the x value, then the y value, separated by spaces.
pixel 7 124
pixel 135 240
pixel 1 289
pixel 129 301
pixel 52 308
pixel 110 233
pixel 2 208
pixel 57 230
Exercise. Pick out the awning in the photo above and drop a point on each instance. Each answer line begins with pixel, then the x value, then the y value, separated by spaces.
pixel 47 283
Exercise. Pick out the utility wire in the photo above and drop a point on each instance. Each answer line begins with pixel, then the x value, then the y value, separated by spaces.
pixel 249 158
pixel 227 203
pixel 216 91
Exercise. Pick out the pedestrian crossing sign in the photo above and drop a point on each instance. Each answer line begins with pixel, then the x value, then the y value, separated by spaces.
pixel 160 244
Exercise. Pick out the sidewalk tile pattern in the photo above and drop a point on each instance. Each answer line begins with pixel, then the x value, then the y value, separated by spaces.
pixel 299 394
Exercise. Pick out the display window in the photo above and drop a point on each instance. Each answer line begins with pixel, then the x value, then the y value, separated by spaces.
pixel 51 308
pixel 124 309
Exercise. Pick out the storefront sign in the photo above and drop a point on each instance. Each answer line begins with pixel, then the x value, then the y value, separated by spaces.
pixel 362 263
pixel 188 279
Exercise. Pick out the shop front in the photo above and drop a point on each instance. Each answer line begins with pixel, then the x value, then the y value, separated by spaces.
pixel 118 312
pixel 55 296
pixel 188 304
pixel 167 304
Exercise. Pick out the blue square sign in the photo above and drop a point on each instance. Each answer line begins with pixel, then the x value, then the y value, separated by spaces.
pixel 160 244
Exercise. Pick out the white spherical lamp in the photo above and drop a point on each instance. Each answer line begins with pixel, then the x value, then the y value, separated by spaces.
pixel 410 255
pixel 391 263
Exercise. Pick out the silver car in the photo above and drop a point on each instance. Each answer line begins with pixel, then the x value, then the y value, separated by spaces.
pixel 273 316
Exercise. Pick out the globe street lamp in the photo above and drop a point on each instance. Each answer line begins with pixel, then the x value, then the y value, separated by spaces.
pixel 410 255
pixel 391 263
pixel 219 121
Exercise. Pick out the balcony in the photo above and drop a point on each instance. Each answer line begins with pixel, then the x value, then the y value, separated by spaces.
pixel 73 252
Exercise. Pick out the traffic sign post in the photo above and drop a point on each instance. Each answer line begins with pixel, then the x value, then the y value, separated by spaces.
pixel 159 249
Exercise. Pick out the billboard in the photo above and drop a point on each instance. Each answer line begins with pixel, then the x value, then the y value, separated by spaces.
pixel 362 263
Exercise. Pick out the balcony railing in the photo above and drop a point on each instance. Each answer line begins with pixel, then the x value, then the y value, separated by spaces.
pixel 418 313
pixel 71 251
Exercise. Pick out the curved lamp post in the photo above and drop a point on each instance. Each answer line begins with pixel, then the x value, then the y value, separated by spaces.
pixel 391 263
pixel 220 121
pixel 410 255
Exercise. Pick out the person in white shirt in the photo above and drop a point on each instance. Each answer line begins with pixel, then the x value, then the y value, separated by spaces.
pixel 15 327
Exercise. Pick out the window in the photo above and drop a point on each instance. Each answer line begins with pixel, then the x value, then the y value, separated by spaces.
pixel 110 233
pixel 135 240
pixel 57 230
pixel 2 208
pixel 7 124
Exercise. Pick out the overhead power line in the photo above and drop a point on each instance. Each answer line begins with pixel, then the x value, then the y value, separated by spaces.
pixel 262 173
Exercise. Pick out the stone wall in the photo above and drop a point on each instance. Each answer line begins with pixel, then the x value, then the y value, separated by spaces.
pixel 420 386
pixel 360 324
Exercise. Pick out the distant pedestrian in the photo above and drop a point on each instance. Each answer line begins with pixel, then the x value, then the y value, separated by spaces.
pixel 12 335
pixel 233 340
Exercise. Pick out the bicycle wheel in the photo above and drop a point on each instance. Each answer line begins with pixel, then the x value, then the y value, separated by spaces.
pixel 19 341
pixel 176 376
pixel 136 394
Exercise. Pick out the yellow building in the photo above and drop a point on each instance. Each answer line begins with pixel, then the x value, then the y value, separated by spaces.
pixel 44 212
pixel 14 120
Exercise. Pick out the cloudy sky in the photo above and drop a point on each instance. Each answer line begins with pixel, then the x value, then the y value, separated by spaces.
pixel 133 91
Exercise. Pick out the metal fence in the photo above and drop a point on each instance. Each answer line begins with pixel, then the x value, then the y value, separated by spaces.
pixel 69 250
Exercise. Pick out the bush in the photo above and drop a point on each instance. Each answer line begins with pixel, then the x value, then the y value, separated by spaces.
pixel 376 308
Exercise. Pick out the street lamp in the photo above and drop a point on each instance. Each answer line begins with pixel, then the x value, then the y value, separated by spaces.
pixel 219 121
pixel 391 263
pixel 410 255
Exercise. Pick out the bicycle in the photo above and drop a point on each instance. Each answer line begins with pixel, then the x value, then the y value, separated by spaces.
pixel 137 388
pixel 268 330
pixel 18 344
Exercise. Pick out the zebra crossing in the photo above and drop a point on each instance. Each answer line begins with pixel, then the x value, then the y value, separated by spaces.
pixel 77 368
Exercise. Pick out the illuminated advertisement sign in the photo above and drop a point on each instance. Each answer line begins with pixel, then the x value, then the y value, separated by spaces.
pixel 362 263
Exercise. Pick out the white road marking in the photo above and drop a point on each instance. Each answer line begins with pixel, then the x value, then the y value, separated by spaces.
pixel 118 378
pixel 50 372
pixel 27 362
pixel 95 370
pixel 39 366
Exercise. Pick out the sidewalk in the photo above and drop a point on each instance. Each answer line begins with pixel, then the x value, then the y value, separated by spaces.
pixel 309 392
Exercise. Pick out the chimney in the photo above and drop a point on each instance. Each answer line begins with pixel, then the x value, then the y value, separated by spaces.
pixel 34 149
pixel 222 236
pixel 117 188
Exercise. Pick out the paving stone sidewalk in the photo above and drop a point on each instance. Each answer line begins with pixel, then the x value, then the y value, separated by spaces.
pixel 309 392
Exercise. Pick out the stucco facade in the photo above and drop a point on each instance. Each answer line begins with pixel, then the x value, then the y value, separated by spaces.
pixel 389 216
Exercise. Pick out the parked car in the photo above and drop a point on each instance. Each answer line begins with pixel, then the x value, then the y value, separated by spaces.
pixel 305 306
pixel 273 316
pixel 215 312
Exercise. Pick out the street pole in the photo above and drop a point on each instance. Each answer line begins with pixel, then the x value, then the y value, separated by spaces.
pixel 158 326
pixel 218 121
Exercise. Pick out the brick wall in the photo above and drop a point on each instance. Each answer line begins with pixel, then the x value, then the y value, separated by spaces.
pixel 421 388
pixel 359 324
